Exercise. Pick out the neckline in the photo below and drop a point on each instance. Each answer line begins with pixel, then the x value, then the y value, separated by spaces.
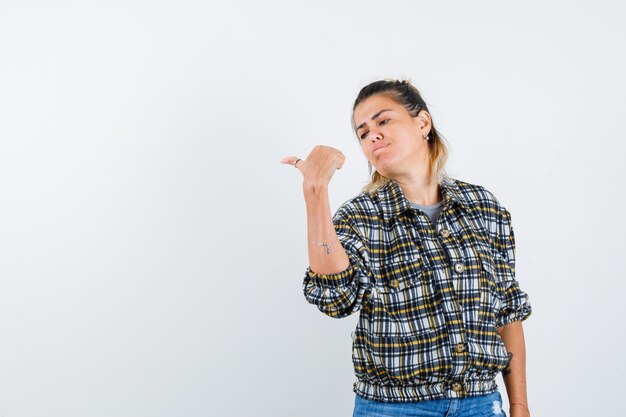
pixel 427 206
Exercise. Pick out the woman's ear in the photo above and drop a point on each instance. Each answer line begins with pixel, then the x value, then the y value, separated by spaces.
pixel 424 119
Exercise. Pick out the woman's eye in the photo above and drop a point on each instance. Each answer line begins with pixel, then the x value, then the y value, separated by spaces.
pixel 380 123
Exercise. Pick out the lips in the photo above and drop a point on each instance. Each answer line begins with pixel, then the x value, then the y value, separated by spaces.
pixel 379 147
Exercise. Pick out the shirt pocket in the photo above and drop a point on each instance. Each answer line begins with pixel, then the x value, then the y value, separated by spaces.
pixel 400 360
pixel 405 303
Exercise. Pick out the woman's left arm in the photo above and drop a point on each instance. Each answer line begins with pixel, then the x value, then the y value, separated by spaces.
pixel 514 374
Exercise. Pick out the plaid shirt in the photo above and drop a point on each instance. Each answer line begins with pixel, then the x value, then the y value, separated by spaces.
pixel 430 296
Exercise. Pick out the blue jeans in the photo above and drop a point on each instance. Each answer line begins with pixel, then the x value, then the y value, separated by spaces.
pixel 479 406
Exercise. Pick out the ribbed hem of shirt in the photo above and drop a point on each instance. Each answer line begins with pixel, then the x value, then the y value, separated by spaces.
pixel 434 391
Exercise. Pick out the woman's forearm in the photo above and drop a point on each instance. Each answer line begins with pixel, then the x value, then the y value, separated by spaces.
pixel 514 375
pixel 330 258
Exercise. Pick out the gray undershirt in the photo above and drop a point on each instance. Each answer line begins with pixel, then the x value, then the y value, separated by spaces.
pixel 431 211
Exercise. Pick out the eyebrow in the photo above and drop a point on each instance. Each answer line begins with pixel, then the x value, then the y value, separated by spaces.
pixel 373 118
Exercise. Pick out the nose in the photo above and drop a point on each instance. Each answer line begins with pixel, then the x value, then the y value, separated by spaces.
pixel 375 135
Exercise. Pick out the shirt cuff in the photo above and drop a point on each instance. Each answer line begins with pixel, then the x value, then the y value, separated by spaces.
pixel 510 316
pixel 331 280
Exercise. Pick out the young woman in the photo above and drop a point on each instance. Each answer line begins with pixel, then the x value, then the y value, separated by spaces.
pixel 427 260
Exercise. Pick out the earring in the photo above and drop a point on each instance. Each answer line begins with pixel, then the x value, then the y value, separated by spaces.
pixel 426 137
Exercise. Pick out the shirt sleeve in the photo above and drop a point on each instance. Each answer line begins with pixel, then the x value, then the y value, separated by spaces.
pixel 515 302
pixel 341 294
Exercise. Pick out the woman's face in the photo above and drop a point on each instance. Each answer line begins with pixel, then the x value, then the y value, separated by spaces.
pixel 391 140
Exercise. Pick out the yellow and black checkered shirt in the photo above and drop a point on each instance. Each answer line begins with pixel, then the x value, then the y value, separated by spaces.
pixel 430 296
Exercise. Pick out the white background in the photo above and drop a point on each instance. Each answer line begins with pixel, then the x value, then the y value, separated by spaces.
pixel 152 247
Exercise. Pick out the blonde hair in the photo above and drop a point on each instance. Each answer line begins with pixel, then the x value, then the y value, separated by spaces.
pixel 405 94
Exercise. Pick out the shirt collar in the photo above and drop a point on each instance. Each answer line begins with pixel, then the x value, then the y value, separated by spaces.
pixel 394 202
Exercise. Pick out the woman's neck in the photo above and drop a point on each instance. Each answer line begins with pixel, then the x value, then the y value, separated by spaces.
pixel 420 191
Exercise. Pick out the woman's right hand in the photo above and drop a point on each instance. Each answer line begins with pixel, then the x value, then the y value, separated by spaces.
pixel 318 168
pixel 326 253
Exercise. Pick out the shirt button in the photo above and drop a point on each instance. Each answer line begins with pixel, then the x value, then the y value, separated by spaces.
pixel 444 233
pixel 459 267
pixel 456 386
pixel 460 348
pixel 394 283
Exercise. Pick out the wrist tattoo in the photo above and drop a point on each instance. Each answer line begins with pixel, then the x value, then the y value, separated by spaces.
pixel 506 371
pixel 326 245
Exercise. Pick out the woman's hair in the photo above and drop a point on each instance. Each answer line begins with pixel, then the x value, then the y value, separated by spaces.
pixel 405 94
